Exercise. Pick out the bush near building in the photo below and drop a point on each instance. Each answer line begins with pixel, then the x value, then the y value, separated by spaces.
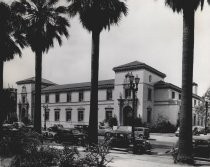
pixel 163 127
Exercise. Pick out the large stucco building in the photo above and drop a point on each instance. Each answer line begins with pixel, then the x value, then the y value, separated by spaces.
pixel 69 104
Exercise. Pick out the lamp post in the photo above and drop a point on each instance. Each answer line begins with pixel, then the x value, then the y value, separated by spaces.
pixel 45 110
pixel 206 118
pixel 133 86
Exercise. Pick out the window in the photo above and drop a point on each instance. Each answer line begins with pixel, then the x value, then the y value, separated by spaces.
pixel 149 113
pixel 68 97
pixel 80 115
pixel 57 97
pixel 194 119
pixel 149 94
pixel 195 102
pixel 108 114
pixel 23 99
pixel 57 115
pixel 68 115
pixel 150 78
pixel 109 94
pixel 173 95
pixel 81 96
pixel 47 98
pixel 47 115
pixel 127 93
pixel 180 96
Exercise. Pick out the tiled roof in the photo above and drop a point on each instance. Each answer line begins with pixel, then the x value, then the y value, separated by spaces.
pixel 32 80
pixel 78 86
pixel 138 65
pixel 165 85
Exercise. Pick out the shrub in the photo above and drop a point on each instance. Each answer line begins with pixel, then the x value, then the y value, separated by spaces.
pixel 70 157
pixel 37 157
pixel 112 121
pixel 19 142
pixel 163 127
pixel 138 122
pixel 95 156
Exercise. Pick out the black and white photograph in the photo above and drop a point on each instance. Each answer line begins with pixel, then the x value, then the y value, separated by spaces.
pixel 104 83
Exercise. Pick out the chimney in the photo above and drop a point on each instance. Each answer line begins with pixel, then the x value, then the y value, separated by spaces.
pixel 195 88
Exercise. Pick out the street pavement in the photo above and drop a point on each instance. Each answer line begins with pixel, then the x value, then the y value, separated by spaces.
pixel 161 144
pixel 122 159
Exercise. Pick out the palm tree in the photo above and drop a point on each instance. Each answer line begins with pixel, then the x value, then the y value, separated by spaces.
pixel 11 38
pixel 187 7
pixel 45 22
pixel 96 15
pixel 11 42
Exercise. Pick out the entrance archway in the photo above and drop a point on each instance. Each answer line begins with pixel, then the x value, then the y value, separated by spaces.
pixel 23 113
pixel 127 116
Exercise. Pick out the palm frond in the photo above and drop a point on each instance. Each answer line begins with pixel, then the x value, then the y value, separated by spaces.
pixel 178 5
pixel 45 21
pixel 98 14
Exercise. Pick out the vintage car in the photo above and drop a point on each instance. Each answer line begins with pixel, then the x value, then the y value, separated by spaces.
pixel 201 141
pixel 196 130
pixel 142 132
pixel 123 139
pixel 71 136
pixel 51 132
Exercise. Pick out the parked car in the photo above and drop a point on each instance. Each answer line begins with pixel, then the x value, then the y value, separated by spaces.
pixel 123 139
pixel 82 128
pixel 55 128
pixel 103 131
pixel 72 136
pixel 142 132
pixel 196 130
pixel 201 141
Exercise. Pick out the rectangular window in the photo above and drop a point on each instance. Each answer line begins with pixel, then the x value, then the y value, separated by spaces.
pixel 47 98
pixel 180 96
pixel 149 114
pixel 81 96
pixel 57 115
pixel 109 94
pixel 68 115
pixel 68 97
pixel 57 97
pixel 47 115
pixel 108 114
pixel 80 115
pixel 173 95
pixel 195 102
pixel 149 94
pixel 127 93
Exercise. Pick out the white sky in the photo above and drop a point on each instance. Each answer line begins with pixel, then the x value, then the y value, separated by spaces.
pixel 151 33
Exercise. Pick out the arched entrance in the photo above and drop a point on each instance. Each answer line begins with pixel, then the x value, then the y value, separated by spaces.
pixel 127 116
pixel 23 113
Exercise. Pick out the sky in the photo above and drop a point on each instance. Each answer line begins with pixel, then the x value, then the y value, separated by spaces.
pixel 150 33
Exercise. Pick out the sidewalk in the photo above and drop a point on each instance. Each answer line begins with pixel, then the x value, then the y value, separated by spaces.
pixel 130 160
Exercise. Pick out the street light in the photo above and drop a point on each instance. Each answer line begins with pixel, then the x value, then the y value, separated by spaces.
pixel 206 118
pixel 133 86
pixel 45 110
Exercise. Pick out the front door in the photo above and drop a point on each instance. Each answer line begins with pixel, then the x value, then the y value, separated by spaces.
pixel 127 116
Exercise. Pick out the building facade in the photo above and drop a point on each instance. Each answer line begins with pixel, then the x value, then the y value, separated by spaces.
pixel 69 104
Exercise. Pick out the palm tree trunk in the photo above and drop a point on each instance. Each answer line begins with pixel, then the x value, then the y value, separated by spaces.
pixel 38 77
pixel 1 95
pixel 1 74
pixel 93 117
pixel 185 137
